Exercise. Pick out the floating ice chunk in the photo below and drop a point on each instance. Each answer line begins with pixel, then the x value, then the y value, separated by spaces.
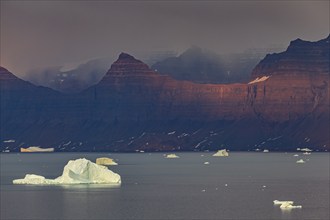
pixel 80 171
pixel 307 153
pixel 221 153
pixel 278 202
pixel 300 161
pixel 288 205
pixel 105 161
pixel 206 163
pixel 296 155
pixel 172 156
pixel 305 149
pixel 36 149
pixel 266 151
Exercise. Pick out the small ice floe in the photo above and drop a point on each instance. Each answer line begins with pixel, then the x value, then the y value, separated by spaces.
pixel 221 153
pixel 80 171
pixel 286 205
pixel 300 161
pixel 172 156
pixel 36 149
pixel 305 149
pixel 296 155
pixel 278 202
pixel 307 153
pixel 266 151
pixel 105 161
pixel 203 190
pixel 206 163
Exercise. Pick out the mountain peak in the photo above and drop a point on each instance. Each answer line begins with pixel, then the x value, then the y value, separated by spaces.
pixel 125 56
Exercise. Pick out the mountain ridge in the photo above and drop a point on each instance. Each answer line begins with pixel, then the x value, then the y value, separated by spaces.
pixel 134 107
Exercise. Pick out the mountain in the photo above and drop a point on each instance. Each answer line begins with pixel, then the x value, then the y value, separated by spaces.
pixel 203 66
pixel 134 107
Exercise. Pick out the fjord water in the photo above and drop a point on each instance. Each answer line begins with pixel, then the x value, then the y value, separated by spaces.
pixel 241 186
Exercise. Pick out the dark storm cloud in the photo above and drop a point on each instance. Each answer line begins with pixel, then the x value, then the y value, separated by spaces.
pixel 48 33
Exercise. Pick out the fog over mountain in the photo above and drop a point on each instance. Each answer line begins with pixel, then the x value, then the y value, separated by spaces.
pixel 205 66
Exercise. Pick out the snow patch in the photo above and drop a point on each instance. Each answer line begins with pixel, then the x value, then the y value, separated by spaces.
pixel 261 79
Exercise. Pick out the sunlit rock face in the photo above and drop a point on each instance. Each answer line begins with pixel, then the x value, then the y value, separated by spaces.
pixel 285 105
pixel 297 90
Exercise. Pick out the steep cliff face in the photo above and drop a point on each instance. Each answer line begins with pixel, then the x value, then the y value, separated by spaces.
pixel 133 107
pixel 297 91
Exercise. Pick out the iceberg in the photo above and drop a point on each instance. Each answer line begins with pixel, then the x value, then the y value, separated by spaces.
pixel 105 161
pixel 300 161
pixel 80 171
pixel 266 151
pixel 221 153
pixel 290 206
pixel 306 149
pixel 206 163
pixel 37 149
pixel 278 202
pixel 172 156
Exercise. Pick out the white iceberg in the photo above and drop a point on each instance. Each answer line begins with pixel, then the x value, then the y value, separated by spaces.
pixel 306 149
pixel 206 163
pixel 221 153
pixel 300 161
pixel 289 205
pixel 105 161
pixel 278 202
pixel 36 149
pixel 80 171
pixel 172 156
pixel 266 151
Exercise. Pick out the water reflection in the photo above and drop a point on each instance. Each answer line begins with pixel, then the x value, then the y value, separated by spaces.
pixel 89 186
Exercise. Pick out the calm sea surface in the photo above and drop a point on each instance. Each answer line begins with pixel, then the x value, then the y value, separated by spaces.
pixel 241 186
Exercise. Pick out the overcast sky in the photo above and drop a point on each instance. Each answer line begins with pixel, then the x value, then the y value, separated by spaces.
pixel 49 33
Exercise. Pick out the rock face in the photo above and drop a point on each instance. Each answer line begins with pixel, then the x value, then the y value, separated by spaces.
pixel 284 106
